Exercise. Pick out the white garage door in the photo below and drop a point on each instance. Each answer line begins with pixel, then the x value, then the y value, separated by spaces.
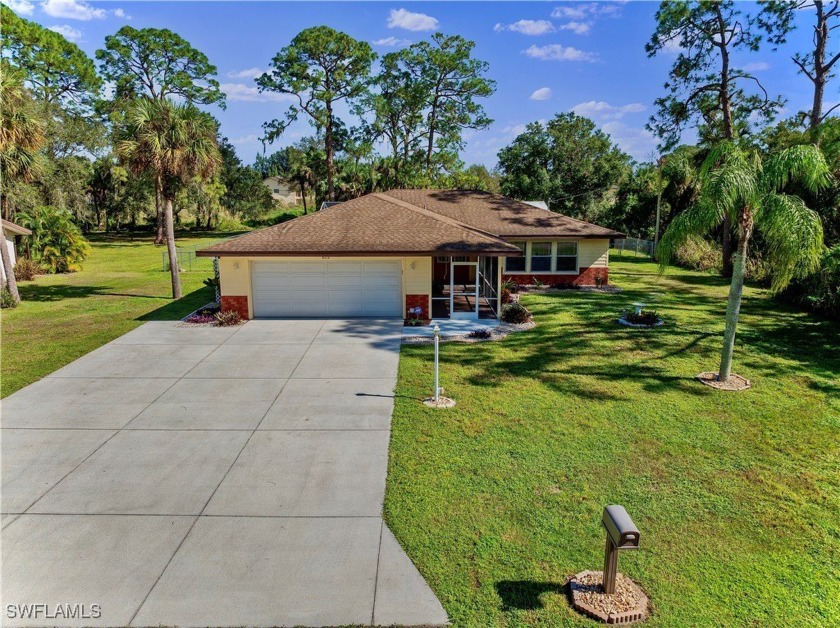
pixel 327 288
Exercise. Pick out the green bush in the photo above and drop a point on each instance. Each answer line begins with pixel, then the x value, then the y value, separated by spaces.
pixel 820 291
pixel 515 313
pixel 6 299
pixel 26 269
pixel 697 253
pixel 56 242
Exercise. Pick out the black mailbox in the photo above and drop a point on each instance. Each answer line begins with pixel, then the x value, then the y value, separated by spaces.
pixel 620 528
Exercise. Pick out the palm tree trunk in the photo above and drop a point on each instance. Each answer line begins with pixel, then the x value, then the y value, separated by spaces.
pixel 160 228
pixel 173 253
pixel 733 308
pixel 9 270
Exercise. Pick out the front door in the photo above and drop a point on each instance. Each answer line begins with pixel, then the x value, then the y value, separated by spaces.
pixel 463 289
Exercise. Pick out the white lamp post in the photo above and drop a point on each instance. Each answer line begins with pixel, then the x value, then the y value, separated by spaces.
pixel 437 363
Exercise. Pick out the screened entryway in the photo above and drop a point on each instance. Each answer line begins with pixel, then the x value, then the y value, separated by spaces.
pixel 465 287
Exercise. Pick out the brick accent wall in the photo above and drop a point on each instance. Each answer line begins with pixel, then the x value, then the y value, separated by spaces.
pixel 417 300
pixel 585 278
pixel 237 304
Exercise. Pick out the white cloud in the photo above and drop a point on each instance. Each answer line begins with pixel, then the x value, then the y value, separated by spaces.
pixel 673 46
pixel 21 7
pixel 527 27
pixel 578 28
pixel 556 52
pixel 122 14
pixel 72 10
pixel 401 18
pixel 391 42
pixel 249 93
pixel 757 66
pixel 543 93
pixel 636 141
pixel 68 31
pixel 570 11
pixel 249 73
pixel 245 140
pixel 600 110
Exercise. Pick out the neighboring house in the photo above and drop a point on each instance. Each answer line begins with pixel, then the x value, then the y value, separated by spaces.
pixel 10 230
pixel 283 191
pixel 445 252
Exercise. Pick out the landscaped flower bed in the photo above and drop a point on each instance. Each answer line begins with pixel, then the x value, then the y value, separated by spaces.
pixel 212 316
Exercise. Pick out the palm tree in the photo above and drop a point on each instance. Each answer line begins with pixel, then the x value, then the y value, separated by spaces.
pixel 174 143
pixel 753 194
pixel 21 136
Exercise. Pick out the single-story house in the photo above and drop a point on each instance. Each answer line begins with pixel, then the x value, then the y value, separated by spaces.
pixel 445 252
pixel 10 230
pixel 281 190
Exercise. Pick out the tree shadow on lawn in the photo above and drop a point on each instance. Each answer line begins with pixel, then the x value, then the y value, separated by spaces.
pixel 46 293
pixel 176 310
pixel 524 594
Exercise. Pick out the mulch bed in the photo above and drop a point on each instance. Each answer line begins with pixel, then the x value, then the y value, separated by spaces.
pixel 627 605
pixel 735 382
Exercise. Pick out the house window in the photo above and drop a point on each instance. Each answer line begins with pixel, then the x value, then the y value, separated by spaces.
pixel 567 257
pixel 516 264
pixel 541 257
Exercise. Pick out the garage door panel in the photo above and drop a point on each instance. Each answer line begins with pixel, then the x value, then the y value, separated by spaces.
pixel 334 288
pixel 345 268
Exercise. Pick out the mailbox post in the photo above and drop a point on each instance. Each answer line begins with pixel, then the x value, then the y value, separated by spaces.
pixel 622 534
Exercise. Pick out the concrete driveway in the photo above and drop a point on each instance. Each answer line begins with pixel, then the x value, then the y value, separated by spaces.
pixel 209 477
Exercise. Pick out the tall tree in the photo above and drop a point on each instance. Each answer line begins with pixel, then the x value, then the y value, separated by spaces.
pixel 176 143
pixel 245 194
pixel 158 64
pixel 704 86
pixel 57 71
pixel 397 107
pixel 452 81
pixel 569 163
pixel 777 18
pixel 321 67
pixel 21 135
pixel 754 194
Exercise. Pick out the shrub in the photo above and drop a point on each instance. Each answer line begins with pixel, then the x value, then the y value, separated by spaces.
pixel 510 285
pixel 697 253
pixel 482 334
pixel 645 317
pixel 56 242
pixel 515 313
pixel 228 318
pixel 537 283
pixel 820 291
pixel 229 223
pixel 26 269
pixel 6 299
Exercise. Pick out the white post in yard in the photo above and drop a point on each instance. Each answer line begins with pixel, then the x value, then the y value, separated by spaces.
pixel 437 373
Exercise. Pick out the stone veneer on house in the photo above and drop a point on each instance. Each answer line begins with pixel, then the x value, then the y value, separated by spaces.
pixel 417 300
pixel 585 278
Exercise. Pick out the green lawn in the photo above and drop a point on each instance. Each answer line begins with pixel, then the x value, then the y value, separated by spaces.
pixel 121 285
pixel 737 495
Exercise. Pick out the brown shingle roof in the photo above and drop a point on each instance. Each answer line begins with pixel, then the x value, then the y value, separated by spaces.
pixel 500 215
pixel 410 222
pixel 372 225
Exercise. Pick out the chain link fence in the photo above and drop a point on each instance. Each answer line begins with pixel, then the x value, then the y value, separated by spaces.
pixel 635 246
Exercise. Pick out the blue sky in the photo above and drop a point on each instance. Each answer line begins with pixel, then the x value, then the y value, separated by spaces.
pixel 546 57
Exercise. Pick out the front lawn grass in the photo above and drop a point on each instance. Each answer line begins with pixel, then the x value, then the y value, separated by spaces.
pixel 121 285
pixel 736 495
